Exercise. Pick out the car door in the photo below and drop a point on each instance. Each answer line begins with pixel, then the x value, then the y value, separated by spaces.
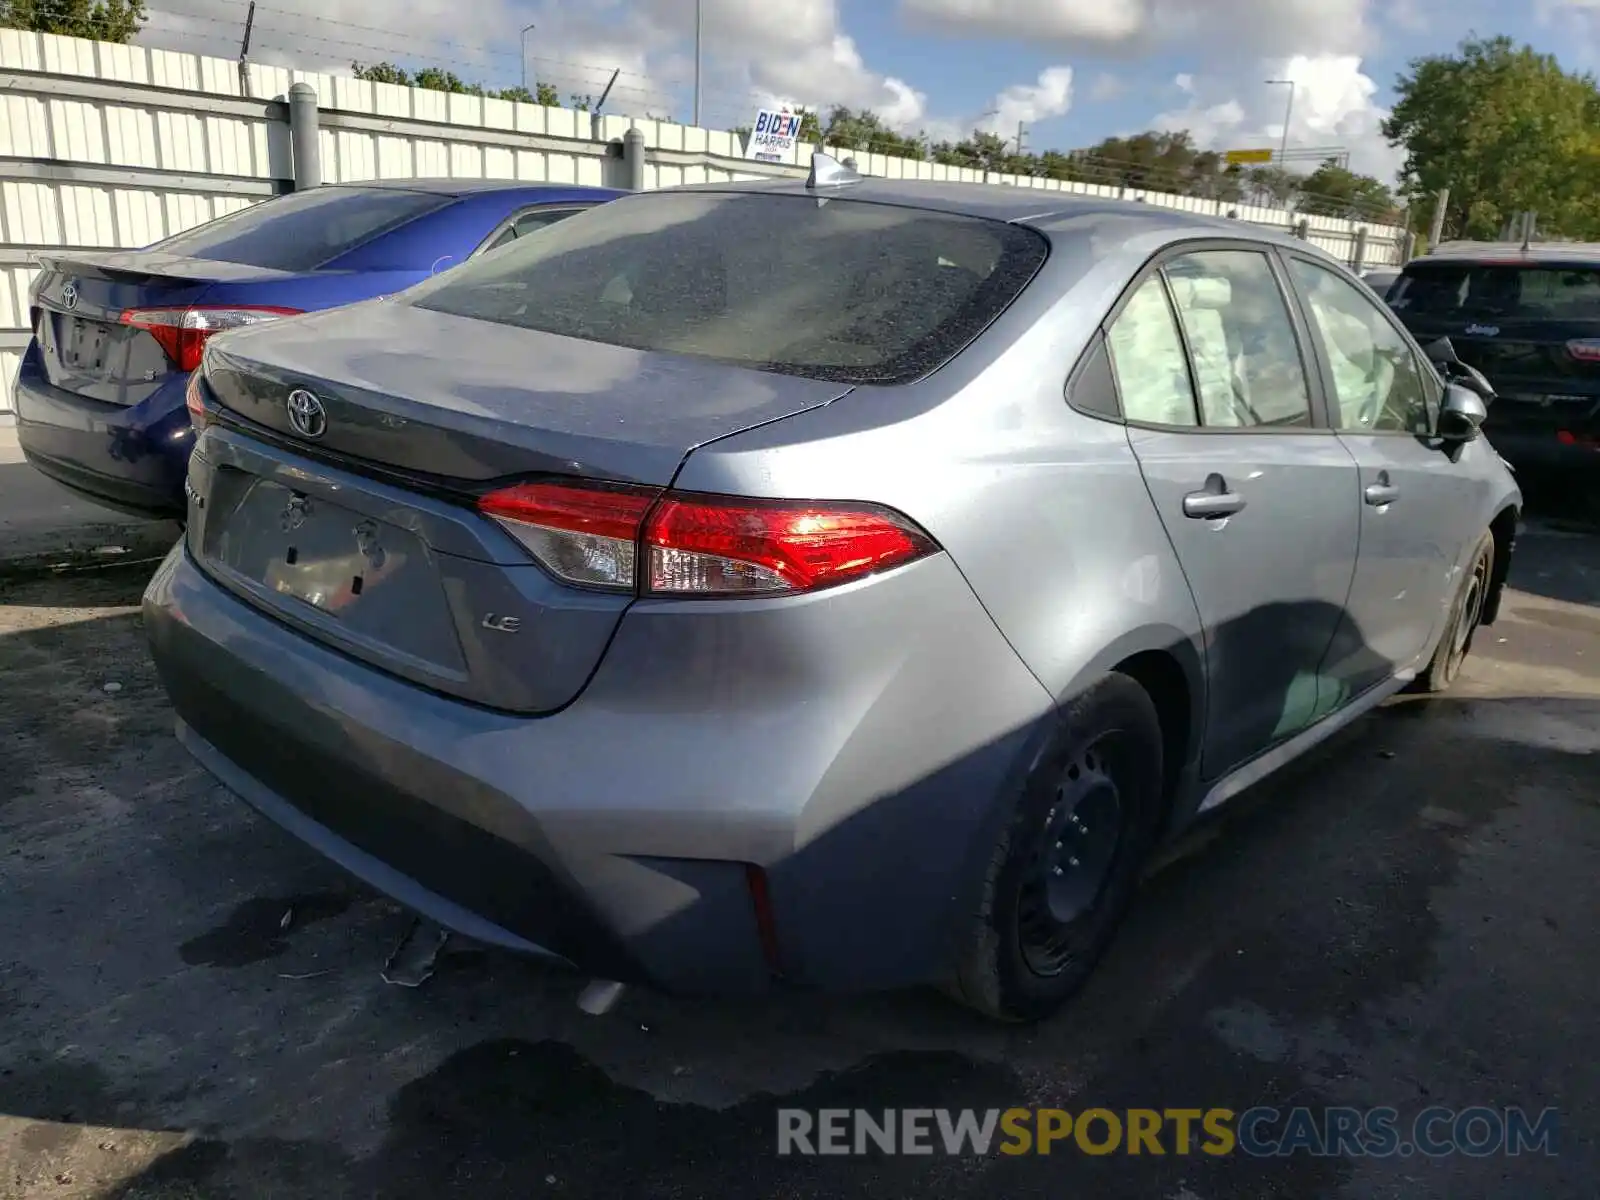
pixel 1256 494
pixel 1417 508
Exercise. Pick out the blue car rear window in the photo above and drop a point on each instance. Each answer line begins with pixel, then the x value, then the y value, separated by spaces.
pixel 854 292
pixel 304 230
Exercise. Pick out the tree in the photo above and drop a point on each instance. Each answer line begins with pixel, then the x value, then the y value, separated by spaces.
pixel 1506 130
pixel 440 80
pixel 99 20
pixel 1275 186
pixel 1335 191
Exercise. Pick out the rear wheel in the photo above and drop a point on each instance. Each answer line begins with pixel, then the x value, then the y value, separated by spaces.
pixel 1465 614
pixel 1063 872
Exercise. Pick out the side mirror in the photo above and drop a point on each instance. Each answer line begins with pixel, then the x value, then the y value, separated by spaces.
pixel 1463 414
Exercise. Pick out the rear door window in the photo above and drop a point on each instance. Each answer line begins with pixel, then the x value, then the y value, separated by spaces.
pixel 828 288
pixel 1496 291
pixel 303 230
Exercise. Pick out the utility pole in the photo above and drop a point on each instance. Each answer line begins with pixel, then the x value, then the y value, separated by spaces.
pixel 1436 227
pixel 1288 112
pixel 522 41
pixel 1019 138
pixel 698 25
pixel 244 50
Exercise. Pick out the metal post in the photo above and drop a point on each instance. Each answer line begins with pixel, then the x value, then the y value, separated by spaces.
pixel 1288 112
pixel 303 137
pixel 633 158
pixel 1361 248
pixel 698 23
pixel 1436 226
pixel 522 45
pixel 244 49
pixel 1530 222
pixel 596 121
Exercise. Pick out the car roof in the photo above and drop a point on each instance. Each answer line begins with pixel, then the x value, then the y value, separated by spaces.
pixel 1066 213
pixel 1513 252
pixel 472 187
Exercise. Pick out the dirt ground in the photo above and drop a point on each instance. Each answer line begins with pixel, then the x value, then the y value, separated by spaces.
pixel 191 1003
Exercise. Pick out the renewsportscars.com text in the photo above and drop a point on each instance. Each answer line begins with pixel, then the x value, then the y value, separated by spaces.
pixel 1259 1132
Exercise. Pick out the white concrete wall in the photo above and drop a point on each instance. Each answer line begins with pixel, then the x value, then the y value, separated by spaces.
pixel 119 146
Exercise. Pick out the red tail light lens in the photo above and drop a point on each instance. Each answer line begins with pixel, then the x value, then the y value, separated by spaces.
pixel 182 332
pixel 1585 349
pixel 681 544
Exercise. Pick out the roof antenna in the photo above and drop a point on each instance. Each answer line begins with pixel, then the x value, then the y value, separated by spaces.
pixel 827 171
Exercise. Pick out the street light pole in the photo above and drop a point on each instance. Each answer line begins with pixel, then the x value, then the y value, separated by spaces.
pixel 522 41
pixel 1288 112
pixel 698 14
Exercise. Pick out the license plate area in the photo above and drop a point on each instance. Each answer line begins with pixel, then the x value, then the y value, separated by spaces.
pixel 365 584
pixel 84 344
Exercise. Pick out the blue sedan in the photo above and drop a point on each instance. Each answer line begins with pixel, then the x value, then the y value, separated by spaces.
pixel 100 394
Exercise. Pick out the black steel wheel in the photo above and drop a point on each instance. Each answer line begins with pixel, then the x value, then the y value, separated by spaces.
pixel 1065 867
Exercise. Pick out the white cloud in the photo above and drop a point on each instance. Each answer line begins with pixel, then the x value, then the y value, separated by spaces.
pixel 1050 96
pixel 1334 107
pixel 1264 26
pixel 1106 86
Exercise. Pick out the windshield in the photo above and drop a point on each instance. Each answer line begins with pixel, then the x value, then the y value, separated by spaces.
pixel 1487 290
pixel 833 289
pixel 303 230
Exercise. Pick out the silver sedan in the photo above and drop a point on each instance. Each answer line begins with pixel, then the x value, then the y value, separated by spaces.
pixel 838 584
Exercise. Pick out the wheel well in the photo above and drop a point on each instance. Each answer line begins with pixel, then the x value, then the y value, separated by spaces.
pixel 1163 678
pixel 1504 531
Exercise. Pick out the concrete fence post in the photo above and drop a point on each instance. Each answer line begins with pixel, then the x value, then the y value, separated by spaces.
pixel 303 137
pixel 633 159
pixel 1408 248
pixel 1361 248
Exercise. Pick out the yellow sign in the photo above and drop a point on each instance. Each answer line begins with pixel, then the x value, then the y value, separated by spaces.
pixel 1249 156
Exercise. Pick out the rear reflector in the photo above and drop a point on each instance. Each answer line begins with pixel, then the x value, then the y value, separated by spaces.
pixel 1585 349
pixel 182 332
pixel 683 544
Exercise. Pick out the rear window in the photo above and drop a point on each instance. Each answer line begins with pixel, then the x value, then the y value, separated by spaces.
pixel 1474 290
pixel 832 289
pixel 301 231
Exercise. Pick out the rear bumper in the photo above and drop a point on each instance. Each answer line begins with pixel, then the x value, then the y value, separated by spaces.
pixel 130 459
pixel 864 776
pixel 1544 452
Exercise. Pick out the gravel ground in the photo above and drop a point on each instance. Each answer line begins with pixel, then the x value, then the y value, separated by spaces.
pixel 191 1003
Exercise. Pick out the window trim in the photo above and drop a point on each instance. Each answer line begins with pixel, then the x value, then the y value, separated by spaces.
pixel 1425 369
pixel 507 222
pixel 1310 366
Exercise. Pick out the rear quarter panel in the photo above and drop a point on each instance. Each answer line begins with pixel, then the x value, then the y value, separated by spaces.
pixel 1043 509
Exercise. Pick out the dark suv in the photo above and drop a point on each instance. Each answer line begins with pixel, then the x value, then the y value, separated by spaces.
pixel 1529 319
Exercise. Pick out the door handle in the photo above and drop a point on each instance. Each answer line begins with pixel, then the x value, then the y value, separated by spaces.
pixel 1206 504
pixel 1379 494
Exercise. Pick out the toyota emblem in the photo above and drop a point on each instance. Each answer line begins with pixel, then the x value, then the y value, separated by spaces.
pixel 307 417
pixel 69 297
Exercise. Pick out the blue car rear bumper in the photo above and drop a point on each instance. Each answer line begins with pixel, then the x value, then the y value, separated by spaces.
pixel 132 459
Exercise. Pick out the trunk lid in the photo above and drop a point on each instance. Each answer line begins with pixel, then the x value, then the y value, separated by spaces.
pixel 467 400
pixel 365 538
pixel 80 298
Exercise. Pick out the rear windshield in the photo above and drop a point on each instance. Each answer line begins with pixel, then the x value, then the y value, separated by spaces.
pixel 839 290
pixel 303 230
pixel 1473 290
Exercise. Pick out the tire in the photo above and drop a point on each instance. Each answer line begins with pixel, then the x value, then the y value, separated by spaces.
pixel 1055 890
pixel 1465 613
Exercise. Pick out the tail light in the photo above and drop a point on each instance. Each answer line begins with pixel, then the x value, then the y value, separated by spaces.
pixel 1585 349
pixel 685 544
pixel 183 331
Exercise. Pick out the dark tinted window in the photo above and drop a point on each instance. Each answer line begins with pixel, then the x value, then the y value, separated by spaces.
pixel 835 289
pixel 303 230
pixel 1488 290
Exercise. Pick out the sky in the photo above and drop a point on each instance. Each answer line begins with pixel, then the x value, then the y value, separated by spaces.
pixel 1072 71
